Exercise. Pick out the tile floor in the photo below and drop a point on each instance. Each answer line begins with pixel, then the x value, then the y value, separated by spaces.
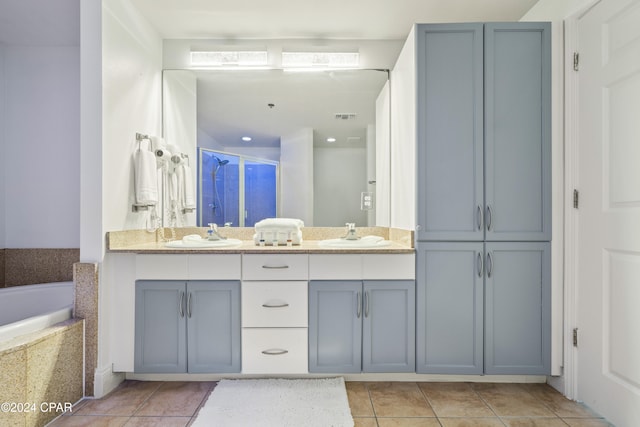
pixel 373 404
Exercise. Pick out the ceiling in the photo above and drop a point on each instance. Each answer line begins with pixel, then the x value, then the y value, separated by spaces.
pixel 331 19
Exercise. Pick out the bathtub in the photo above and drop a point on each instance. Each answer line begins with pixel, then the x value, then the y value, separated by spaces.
pixel 30 308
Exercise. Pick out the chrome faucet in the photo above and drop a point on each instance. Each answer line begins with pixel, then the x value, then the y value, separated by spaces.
pixel 351 231
pixel 212 232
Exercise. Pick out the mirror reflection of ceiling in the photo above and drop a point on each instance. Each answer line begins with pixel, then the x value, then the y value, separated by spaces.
pixel 353 19
pixel 268 104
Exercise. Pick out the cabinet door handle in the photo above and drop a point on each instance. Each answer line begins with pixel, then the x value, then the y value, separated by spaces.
pixel 189 306
pixel 181 304
pixel 480 266
pixel 274 267
pixel 479 217
pixel 366 304
pixel 275 305
pixel 275 352
pixel 358 305
pixel 489 217
pixel 489 264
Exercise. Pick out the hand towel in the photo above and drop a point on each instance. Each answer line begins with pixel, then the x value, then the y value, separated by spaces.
pixel 188 199
pixel 145 175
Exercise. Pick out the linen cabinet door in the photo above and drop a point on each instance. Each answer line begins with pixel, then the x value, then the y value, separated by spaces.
pixel 450 132
pixel 388 330
pixel 517 308
pixel 213 316
pixel 518 131
pixel 450 298
pixel 335 326
pixel 160 327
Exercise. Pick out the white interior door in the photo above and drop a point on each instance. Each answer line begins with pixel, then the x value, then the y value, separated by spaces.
pixel 608 239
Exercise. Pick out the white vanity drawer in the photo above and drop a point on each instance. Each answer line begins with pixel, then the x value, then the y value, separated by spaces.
pixel 335 267
pixel 274 351
pixel 161 267
pixel 274 304
pixel 215 267
pixel 275 267
pixel 389 266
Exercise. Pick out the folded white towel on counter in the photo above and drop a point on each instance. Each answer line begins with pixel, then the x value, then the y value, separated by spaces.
pixel 282 224
pixel 145 175
pixel 270 237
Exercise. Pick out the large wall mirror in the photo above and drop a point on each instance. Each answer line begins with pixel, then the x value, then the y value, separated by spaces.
pixel 326 133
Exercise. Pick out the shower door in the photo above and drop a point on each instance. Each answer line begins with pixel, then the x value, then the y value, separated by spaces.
pixel 235 190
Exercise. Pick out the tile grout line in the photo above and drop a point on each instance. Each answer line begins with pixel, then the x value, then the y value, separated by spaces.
pixel 486 403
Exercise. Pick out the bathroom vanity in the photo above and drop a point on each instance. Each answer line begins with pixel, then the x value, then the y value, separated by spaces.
pixel 262 310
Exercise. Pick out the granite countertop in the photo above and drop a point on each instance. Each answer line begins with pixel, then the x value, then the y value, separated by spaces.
pixel 145 242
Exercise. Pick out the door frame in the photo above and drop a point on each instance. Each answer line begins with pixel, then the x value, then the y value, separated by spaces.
pixel 571 169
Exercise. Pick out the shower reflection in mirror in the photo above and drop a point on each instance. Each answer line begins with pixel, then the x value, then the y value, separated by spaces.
pixel 235 190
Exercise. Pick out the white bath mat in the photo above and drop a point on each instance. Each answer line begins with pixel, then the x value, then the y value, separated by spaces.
pixel 277 403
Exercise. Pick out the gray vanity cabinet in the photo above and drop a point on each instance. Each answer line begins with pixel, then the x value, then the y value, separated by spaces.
pixel 357 326
pixel 187 326
pixel 450 297
pixel 484 308
pixel 518 308
pixel 484 132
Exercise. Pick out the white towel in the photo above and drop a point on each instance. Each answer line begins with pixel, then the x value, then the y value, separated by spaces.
pixel 280 224
pixel 188 195
pixel 145 175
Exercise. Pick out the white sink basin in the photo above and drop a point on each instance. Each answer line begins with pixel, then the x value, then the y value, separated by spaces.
pixel 194 241
pixel 364 242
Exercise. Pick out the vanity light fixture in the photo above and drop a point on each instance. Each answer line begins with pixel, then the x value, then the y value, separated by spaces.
pixel 331 139
pixel 320 59
pixel 229 58
pixel 246 138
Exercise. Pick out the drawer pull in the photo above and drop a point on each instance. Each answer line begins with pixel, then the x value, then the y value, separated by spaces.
pixel 275 304
pixel 275 267
pixel 275 352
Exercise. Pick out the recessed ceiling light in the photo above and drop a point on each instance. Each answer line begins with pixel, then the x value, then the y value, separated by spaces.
pixel 246 138
pixel 331 139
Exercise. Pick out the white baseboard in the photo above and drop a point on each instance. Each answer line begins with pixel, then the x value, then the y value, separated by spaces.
pixel 106 380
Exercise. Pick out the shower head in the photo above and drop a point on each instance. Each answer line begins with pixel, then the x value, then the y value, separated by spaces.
pixel 220 161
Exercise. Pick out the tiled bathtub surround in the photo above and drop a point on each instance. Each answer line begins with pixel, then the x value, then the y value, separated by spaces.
pixel 85 277
pixel 43 366
pixel 30 266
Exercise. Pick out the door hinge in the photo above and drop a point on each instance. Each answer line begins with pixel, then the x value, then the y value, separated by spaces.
pixel 575 337
pixel 576 61
pixel 576 197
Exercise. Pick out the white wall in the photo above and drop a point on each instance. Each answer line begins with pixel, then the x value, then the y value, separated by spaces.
pixel 296 176
pixel 403 137
pixel 132 94
pixel 339 176
pixel 2 151
pixel 41 158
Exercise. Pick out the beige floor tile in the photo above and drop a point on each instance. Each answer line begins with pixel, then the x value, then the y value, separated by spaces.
pixel 556 402
pixel 124 400
pixel 470 422
pixel 158 422
pixel 587 422
pixel 177 399
pixel 408 422
pixel 359 400
pixel 364 422
pixel 90 421
pixel 533 422
pixel 398 399
pixel 511 400
pixel 455 400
